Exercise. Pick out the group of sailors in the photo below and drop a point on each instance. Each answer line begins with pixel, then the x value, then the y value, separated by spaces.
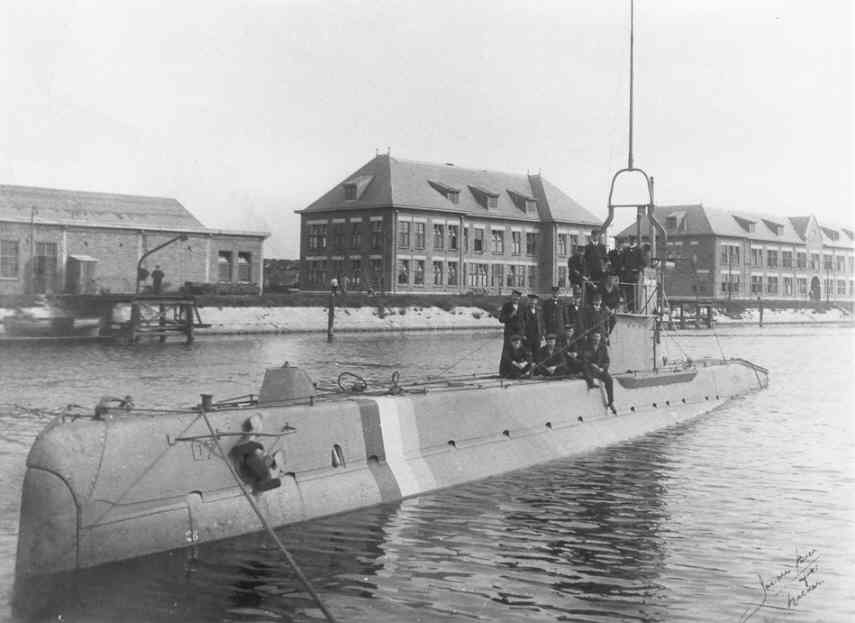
pixel 570 338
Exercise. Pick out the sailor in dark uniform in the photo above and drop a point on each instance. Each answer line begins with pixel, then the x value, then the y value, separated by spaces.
pixel 550 359
pixel 574 308
pixel 516 359
pixel 595 260
pixel 511 315
pixel 612 301
pixel 594 317
pixel 631 266
pixel 555 313
pixel 572 351
pixel 595 360
pixel 532 325
pixel 576 267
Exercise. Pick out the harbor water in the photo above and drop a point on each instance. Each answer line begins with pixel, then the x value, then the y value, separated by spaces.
pixel 744 514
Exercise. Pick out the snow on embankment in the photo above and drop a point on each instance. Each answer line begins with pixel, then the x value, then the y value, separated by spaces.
pixel 785 316
pixel 287 319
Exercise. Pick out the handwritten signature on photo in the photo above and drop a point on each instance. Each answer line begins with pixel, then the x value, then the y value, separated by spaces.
pixel 796 580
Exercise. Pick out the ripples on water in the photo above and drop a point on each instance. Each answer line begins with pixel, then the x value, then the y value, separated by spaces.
pixel 675 526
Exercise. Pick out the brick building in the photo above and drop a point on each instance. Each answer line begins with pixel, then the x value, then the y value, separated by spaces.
pixel 61 241
pixel 406 226
pixel 741 255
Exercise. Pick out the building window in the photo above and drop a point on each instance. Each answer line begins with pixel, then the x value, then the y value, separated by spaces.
pixel 453 196
pixel 355 235
pixel 841 263
pixel 801 260
pixel 420 235
pixel 452 237
pixel 404 234
pixel 492 202
pixel 244 267
pixel 478 276
pixel 511 276
pixel 828 286
pixel 756 284
pixel 725 254
pixel 852 288
pixel 851 264
pixel 419 274
pixel 349 192
pixel 671 222
pixel 437 273
pixel 530 206
pixel 465 241
pixel 438 237
pixel 478 243
pixel 498 242
pixel 338 269
pixel 562 276
pixel 224 266
pixel 729 284
pixel 841 287
pixel 574 241
pixel 403 272
pixel 317 236
pixel 376 234
pixel 562 245
pixel 802 283
pixel 338 235
pixel 452 273
pixel 530 244
pixel 375 265
pixel 814 261
pixel 532 276
pixel 827 264
pixel 757 257
pixel 772 258
pixel 788 286
pixel 9 258
pixel 771 285
pixel 516 243
pixel 356 272
pixel 497 275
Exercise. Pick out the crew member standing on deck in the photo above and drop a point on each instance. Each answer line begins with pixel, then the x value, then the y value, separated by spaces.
pixel 511 315
pixel 516 360
pixel 532 325
pixel 594 317
pixel 555 313
pixel 576 267
pixel 572 351
pixel 595 261
pixel 596 366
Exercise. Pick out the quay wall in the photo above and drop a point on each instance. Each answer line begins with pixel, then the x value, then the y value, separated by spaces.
pixel 97 491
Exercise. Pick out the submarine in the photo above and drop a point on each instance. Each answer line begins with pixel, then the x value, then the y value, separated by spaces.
pixel 124 481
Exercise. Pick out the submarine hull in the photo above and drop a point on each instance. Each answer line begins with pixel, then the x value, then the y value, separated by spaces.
pixel 103 490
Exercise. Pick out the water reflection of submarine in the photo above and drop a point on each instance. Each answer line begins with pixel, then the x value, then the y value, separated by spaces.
pixel 134 482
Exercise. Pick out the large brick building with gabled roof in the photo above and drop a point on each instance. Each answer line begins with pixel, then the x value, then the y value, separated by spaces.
pixel 727 254
pixel 67 241
pixel 408 226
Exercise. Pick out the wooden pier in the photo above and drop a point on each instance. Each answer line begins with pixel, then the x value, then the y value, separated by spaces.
pixel 155 316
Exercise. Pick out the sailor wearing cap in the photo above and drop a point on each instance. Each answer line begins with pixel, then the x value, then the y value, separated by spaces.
pixel 595 259
pixel 555 313
pixel 571 348
pixel 596 366
pixel 516 359
pixel 550 358
pixel 532 325
pixel 594 317
pixel 511 316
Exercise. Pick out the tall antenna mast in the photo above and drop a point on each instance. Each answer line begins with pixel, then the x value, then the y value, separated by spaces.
pixel 631 73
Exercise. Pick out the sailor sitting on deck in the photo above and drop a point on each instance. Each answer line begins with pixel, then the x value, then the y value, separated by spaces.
pixel 572 351
pixel 516 359
pixel 595 360
pixel 550 358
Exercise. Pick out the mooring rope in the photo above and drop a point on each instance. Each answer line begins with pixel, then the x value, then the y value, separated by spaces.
pixel 293 563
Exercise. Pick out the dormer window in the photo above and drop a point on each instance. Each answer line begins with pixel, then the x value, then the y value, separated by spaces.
pixel 354 187
pixel 486 198
pixel 525 203
pixel 671 222
pixel 449 192
pixel 746 224
pixel 849 234
pixel 775 228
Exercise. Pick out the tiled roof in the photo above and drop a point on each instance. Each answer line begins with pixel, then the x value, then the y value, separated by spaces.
pixel 73 207
pixel 419 185
pixel 699 219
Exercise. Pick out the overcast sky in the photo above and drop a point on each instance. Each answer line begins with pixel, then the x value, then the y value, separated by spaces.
pixel 247 111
